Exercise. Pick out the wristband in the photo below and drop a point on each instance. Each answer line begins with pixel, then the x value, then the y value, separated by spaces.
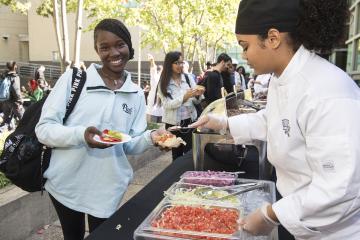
pixel 267 218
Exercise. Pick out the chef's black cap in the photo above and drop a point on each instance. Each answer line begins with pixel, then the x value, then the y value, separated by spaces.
pixel 119 29
pixel 258 16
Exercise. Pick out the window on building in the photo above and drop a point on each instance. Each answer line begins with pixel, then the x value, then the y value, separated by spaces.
pixel 358 19
pixel 234 52
pixel 351 2
pixel 55 56
pixel 349 67
pixel 352 24
pixel 357 55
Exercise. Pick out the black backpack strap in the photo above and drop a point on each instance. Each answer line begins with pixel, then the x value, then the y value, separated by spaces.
pixel 187 79
pixel 77 84
pixel 156 91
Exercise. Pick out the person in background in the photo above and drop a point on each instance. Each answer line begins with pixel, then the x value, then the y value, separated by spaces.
pixel 242 80
pixel 38 93
pixel 24 92
pixel 200 79
pixel 87 176
pixel 213 81
pixel 260 84
pixel 235 76
pixel 228 79
pixel 154 112
pixel 311 120
pixel 40 73
pixel 13 107
pixel 40 79
pixel 178 95
pixel 146 90
pixel 208 66
pixel 32 84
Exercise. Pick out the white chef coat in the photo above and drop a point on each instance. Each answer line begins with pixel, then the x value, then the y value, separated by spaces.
pixel 312 127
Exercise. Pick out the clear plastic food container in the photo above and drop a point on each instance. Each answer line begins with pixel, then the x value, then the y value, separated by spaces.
pixel 213 178
pixel 158 225
pixel 169 221
pixel 190 194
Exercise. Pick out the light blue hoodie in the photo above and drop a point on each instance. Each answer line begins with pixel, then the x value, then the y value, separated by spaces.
pixel 85 179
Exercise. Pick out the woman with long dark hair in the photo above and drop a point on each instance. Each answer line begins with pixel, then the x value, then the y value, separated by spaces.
pixel 178 93
pixel 243 79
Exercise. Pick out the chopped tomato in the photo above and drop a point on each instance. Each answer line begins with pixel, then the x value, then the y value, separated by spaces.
pixel 207 220
pixel 164 137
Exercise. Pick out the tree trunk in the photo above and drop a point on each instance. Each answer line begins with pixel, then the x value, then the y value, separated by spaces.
pixel 56 22
pixel 66 57
pixel 78 31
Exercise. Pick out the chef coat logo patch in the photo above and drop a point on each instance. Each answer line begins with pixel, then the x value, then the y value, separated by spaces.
pixel 328 166
pixel 126 108
pixel 286 126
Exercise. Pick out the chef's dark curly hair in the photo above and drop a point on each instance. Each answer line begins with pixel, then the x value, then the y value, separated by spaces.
pixel 321 26
pixel 116 27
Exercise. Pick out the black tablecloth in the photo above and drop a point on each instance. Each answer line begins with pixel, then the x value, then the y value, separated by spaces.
pixel 123 223
pixel 133 212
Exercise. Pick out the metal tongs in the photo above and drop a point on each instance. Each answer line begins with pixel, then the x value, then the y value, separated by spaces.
pixel 179 128
pixel 250 104
pixel 207 192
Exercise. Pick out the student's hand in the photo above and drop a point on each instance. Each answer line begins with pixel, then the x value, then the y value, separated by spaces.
pixel 211 121
pixel 150 57
pixel 200 90
pixel 156 135
pixel 258 222
pixel 189 94
pixel 251 83
pixel 89 134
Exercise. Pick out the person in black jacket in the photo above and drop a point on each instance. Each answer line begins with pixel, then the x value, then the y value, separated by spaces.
pixel 228 79
pixel 12 107
pixel 213 81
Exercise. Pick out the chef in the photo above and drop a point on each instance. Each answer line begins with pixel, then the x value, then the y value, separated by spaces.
pixel 311 122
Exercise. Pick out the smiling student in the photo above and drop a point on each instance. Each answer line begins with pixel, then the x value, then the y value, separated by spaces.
pixel 85 176
pixel 311 120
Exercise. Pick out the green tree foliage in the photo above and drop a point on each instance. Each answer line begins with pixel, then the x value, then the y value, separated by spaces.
pixel 17 6
pixel 195 27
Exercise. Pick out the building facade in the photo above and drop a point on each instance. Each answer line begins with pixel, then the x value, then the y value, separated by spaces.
pixel 31 38
pixel 14 38
pixel 353 41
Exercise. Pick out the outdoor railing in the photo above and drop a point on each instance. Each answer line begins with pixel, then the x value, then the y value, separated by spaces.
pixel 52 73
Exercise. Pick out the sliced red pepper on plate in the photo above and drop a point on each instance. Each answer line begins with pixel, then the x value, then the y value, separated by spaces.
pixel 111 136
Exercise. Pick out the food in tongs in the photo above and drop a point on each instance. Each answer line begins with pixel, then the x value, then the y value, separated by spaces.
pixel 170 141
